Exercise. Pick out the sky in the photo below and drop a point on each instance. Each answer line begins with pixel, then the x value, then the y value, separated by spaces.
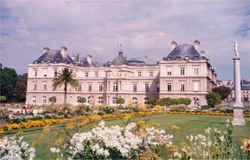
pixel 143 27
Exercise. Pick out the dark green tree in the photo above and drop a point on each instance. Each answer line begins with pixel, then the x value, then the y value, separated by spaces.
pixel 81 100
pixel 8 78
pixel 223 91
pixel 213 98
pixel 65 78
pixel 120 100
pixel 19 93
pixel 52 99
pixel 152 101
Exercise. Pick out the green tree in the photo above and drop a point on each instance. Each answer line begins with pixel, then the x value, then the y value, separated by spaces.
pixel 8 78
pixel 213 98
pixel 120 100
pixel 2 99
pixel 19 93
pixel 223 91
pixel 81 100
pixel 152 101
pixel 52 99
pixel 65 78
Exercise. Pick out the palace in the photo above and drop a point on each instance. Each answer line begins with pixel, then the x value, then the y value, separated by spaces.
pixel 184 72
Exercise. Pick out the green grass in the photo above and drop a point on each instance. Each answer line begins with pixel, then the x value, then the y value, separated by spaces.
pixel 189 124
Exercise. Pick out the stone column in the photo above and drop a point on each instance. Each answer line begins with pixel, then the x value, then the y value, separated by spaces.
pixel 238 117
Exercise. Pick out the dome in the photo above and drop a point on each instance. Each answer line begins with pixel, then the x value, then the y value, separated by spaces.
pixel 184 51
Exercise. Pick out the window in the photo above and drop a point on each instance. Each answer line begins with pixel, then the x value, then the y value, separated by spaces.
pixel 80 88
pixel 44 100
pixel 134 87
pixel 135 100
pixel 114 100
pixel 195 86
pixel 196 71
pixel 115 87
pixel 55 73
pixel 45 72
pixel 34 99
pixel 169 87
pixel 100 87
pixel 34 87
pixel 151 74
pixel 90 87
pixel 44 86
pixel 146 87
pixel 100 99
pixel 182 71
pixel 35 72
pixel 139 74
pixel 169 73
pixel 182 87
pixel 146 100
pixel 86 74
pixel 96 74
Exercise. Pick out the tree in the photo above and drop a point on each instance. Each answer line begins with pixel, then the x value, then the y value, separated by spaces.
pixel 19 93
pixel 52 99
pixel 65 78
pixel 152 101
pixel 120 100
pixel 81 100
pixel 223 91
pixel 2 99
pixel 213 98
pixel 8 78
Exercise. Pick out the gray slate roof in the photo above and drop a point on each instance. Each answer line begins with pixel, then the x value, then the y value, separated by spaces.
pixel 54 56
pixel 184 51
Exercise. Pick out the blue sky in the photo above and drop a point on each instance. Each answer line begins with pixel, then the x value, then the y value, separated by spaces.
pixel 144 27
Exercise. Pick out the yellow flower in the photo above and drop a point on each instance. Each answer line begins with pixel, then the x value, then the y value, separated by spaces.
pixel 149 155
pixel 175 127
pixel 46 129
pixel 59 141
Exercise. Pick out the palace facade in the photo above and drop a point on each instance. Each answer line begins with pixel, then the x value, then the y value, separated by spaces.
pixel 184 72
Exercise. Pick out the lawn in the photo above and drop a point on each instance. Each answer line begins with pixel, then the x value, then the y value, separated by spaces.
pixel 188 124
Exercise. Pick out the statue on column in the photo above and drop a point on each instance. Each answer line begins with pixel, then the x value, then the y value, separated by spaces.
pixel 238 117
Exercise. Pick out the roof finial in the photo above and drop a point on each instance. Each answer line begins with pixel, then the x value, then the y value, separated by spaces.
pixel 236 49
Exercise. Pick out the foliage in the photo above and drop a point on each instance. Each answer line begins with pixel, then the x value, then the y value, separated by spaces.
pixel 213 98
pixel 81 100
pixel 3 99
pixel 120 100
pixel 8 78
pixel 108 110
pixel 152 101
pixel 223 91
pixel 65 78
pixel 15 148
pixel 19 93
pixel 173 101
pixel 113 142
pixel 178 108
pixel 4 114
pixel 52 99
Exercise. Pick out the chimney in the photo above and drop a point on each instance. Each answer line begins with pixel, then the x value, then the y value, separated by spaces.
pixel 63 51
pixel 89 59
pixel 173 44
pixel 196 44
pixel 145 59
pixel 45 49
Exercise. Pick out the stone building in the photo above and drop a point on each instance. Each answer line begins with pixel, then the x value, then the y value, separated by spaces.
pixel 184 72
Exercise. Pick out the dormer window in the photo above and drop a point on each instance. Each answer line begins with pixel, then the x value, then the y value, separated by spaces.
pixel 182 70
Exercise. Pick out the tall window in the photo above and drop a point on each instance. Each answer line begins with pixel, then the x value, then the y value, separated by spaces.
pixel 182 87
pixel 96 74
pixel 35 72
pixel 114 100
pixel 45 72
pixel 134 87
pixel 169 87
pixel 182 71
pixel 196 86
pixel 196 71
pixel 151 74
pixel 100 99
pixel 44 86
pixel 100 87
pixel 139 74
pixel 34 99
pixel 44 99
pixel 90 87
pixel 34 87
pixel 169 72
pixel 146 87
pixel 86 74
pixel 115 87
pixel 55 72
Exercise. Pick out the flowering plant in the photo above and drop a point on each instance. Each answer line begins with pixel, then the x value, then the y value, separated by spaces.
pixel 113 142
pixel 15 148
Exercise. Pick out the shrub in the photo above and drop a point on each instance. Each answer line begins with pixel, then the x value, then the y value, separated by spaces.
pixel 213 98
pixel 81 100
pixel 108 110
pixel 3 99
pixel 120 100
pixel 178 108
pixel 186 101
pixel 205 107
pixel 152 101
pixel 164 101
pixel 52 99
